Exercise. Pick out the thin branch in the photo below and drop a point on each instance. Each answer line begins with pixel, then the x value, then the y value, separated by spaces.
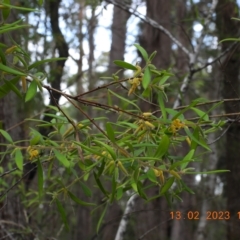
pixel 80 153
pixel 16 183
pixel 194 57
pixel 222 54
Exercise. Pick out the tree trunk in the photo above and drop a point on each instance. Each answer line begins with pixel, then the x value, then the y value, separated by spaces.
pixel 230 28
pixel 154 215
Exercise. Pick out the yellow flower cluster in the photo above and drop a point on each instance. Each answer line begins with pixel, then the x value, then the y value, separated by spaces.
pixel 159 173
pixel 176 125
pixel 33 153
pixel 135 82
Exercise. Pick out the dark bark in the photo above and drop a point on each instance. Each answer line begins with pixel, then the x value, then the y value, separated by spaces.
pixel 152 39
pixel 119 29
pixel 55 74
pixel 155 40
pixel 230 28
pixel 61 46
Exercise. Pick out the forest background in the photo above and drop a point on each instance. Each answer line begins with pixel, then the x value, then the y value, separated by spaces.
pixel 36 202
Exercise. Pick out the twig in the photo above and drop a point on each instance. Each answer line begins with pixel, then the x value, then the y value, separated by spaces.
pixel 16 183
pixel 193 58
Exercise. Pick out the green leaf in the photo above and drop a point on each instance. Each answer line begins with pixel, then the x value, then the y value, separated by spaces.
pixel 101 217
pixel 78 201
pixel 201 143
pixel 6 136
pixel 162 147
pixel 146 93
pixel 230 39
pixel 119 193
pixel 10 70
pixel 142 51
pixel 31 92
pixel 20 8
pixel 87 191
pixel 5 89
pixel 62 213
pixel 151 175
pixel 6 11
pixel 167 185
pixel 100 185
pixel 188 158
pixel 8 29
pixel 108 148
pixel 88 149
pixel 40 178
pixel 40 2
pixel 3 57
pixel 201 114
pixel 19 159
pixel 162 105
pixel 13 88
pixel 152 56
pixel 124 65
pixel 186 188
pixel 124 99
pixel 61 158
pixel 163 79
pixel 114 186
pixel 146 78
pixel 35 139
pixel 140 190
pixel 36 64
pixel 110 131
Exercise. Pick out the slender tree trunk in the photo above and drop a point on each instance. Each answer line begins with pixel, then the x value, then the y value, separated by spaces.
pixel 230 28
pixel 155 213
pixel 119 30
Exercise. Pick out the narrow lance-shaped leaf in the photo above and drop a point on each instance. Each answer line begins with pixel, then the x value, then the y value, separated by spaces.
pixel 167 185
pixel 40 178
pixel 110 131
pixel 5 88
pixel 124 99
pixel 142 51
pixel 6 136
pixel 201 143
pixel 61 158
pixel 10 70
pixel 19 159
pixel 140 190
pixel 151 175
pixel 32 90
pixel 162 147
pixel 162 105
pixel 79 201
pixel 36 64
pixel 107 148
pixel 87 191
pixel 124 65
pixel 114 186
pixel 101 218
pixel 146 78
pixel 13 88
pixel 6 11
pixel 100 185
pixel 62 213
pixel 8 29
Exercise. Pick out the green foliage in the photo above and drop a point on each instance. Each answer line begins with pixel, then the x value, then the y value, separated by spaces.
pixel 133 153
